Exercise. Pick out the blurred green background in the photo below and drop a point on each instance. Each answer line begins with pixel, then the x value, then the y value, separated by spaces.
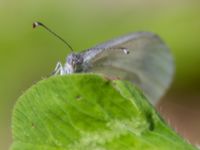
pixel 27 55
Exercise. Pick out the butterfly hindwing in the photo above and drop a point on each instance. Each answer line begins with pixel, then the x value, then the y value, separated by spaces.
pixel 139 57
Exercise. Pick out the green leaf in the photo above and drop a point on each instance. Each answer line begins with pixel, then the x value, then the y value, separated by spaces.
pixel 89 112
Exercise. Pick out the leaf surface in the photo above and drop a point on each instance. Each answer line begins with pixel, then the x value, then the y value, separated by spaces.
pixel 89 112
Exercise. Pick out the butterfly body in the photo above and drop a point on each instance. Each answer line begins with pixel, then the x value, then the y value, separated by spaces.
pixel 140 57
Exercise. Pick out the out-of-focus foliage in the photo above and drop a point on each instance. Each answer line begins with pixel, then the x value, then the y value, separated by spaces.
pixel 27 55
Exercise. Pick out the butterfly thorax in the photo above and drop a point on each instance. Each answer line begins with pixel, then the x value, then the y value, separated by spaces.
pixel 74 63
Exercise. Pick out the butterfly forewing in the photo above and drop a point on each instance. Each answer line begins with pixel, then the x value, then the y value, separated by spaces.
pixel 139 57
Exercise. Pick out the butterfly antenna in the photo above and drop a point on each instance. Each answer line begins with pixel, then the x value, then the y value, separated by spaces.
pixel 36 24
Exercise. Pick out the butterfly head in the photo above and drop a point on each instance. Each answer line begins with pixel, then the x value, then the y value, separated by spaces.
pixel 74 63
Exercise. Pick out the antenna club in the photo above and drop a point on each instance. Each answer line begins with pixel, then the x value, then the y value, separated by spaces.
pixel 36 24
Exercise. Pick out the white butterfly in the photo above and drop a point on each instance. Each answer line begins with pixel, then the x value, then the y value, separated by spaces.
pixel 140 57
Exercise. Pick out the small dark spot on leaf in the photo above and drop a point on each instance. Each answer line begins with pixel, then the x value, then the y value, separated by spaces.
pixel 151 127
pixel 107 80
pixel 78 97
pixel 150 121
pixel 32 125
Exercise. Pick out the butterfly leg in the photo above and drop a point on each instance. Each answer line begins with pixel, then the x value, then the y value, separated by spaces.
pixel 58 69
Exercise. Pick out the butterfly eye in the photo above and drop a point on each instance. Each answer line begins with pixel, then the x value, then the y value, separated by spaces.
pixel 80 60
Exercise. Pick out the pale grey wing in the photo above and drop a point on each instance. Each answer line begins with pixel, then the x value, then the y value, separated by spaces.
pixel 148 64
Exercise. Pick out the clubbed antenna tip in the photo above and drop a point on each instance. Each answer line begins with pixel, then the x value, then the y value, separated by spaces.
pixel 36 24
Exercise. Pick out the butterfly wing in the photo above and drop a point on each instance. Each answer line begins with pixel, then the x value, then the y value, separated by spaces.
pixel 139 57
